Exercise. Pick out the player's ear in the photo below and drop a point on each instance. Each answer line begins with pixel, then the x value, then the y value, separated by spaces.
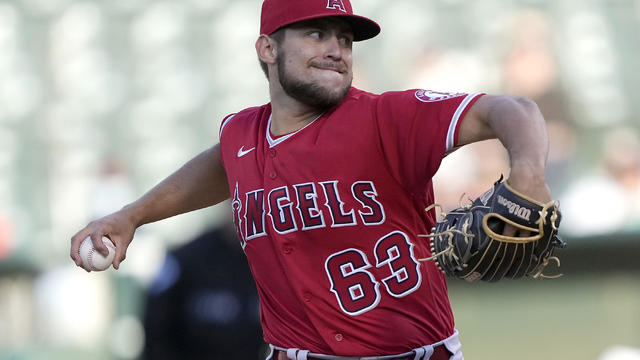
pixel 266 49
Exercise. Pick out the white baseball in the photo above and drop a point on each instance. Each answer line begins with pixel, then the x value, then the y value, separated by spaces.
pixel 92 260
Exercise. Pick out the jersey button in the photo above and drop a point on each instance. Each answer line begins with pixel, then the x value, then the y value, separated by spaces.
pixel 339 337
pixel 273 175
pixel 286 250
pixel 307 297
pixel 272 153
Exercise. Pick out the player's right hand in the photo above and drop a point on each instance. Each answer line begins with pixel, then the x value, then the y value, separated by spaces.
pixel 117 226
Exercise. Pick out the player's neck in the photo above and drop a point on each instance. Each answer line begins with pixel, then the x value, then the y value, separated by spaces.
pixel 289 115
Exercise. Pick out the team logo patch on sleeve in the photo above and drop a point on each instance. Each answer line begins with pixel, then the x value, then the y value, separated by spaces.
pixel 433 96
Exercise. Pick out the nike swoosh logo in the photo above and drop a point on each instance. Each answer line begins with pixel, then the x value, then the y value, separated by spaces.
pixel 242 152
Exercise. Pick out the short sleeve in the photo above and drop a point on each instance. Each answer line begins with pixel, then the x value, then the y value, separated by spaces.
pixel 227 119
pixel 225 122
pixel 417 128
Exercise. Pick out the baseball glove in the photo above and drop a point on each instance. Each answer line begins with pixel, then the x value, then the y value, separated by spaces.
pixel 468 243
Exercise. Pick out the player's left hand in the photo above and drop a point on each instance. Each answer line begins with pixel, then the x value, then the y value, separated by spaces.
pixel 470 242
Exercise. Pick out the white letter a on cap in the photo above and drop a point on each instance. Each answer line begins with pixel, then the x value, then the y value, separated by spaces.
pixel 336 4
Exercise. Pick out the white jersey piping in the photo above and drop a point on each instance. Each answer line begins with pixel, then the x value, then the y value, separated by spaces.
pixel 451 133
pixel 273 142
pixel 224 123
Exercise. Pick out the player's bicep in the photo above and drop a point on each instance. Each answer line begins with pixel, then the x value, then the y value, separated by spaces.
pixel 475 126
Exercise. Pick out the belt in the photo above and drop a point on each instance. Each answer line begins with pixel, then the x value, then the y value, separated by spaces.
pixel 440 352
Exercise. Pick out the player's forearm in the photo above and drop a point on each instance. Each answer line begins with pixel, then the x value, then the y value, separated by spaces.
pixel 519 125
pixel 199 183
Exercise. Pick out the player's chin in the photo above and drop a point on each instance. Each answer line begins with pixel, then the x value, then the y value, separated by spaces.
pixel 336 86
pixel 335 94
pixel 324 98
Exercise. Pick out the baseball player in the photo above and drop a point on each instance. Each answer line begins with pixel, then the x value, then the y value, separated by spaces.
pixel 328 186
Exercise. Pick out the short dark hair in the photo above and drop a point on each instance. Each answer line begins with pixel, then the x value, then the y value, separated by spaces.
pixel 278 36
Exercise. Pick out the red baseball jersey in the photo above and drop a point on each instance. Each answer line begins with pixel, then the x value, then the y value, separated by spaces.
pixel 329 216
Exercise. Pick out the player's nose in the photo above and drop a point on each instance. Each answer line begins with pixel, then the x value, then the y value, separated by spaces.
pixel 333 50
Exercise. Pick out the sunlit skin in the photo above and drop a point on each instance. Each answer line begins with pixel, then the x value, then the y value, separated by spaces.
pixel 310 71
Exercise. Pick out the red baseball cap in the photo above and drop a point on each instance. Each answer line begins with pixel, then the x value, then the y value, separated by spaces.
pixel 279 13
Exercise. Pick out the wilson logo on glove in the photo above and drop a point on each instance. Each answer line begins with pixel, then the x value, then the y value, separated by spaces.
pixel 514 208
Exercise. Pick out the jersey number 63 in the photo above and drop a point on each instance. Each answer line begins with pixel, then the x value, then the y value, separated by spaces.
pixel 356 287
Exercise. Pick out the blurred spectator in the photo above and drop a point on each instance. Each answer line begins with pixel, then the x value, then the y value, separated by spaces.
pixel 113 187
pixel 531 69
pixel 615 185
pixel 203 303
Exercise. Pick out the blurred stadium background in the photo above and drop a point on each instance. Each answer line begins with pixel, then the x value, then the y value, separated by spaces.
pixel 99 100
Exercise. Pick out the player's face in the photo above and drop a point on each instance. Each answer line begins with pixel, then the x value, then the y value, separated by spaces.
pixel 315 62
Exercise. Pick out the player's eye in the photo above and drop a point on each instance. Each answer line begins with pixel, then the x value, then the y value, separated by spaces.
pixel 345 41
pixel 316 34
